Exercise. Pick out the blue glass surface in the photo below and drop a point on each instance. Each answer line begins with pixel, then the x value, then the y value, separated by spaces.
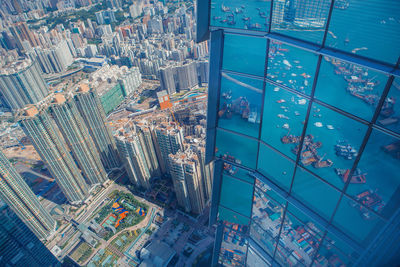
pixel 283 119
pixel 250 15
pixel 263 238
pixel 240 104
pixel 275 167
pixel 317 195
pixel 236 148
pixel 236 195
pixel 331 145
pixel 244 54
pixel 231 216
pixel 389 117
pixel 291 66
pixel 352 88
pixel 380 163
pixel 358 25
pixel 234 245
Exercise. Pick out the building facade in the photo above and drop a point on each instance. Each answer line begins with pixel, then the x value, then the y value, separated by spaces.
pixel 17 194
pixel 42 131
pixel 18 245
pixel 302 125
pixel 21 83
pixel 94 117
pixel 79 141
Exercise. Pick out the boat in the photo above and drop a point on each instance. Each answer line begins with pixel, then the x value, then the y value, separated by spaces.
pixel 318 124
pixel 345 150
pixel 252 117
pixel 283 116
pixel 323 163
pixel 246 18
pixel 330 127
pixel 227 95
pixel 289 139
pixel 238 11
pixel 357 178
pixel 225 8
pixel 276 89
pixel 285 126
pixel 281 101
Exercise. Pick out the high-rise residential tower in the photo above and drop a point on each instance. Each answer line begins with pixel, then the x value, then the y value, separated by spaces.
pixel 21 83
pixel 16 193
pixel 94 117
pixel 133 155
pixel 303 122
pixel 187 179
pixel 43 133
pixel 18 245
pixel 76 134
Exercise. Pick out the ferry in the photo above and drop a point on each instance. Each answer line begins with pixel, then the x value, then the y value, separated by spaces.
pixel 357 178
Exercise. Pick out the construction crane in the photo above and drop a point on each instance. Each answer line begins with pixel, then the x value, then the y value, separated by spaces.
pixel 173 116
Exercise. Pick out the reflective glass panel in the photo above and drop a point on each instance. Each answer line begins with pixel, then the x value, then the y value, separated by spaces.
pixel 288 257
pixel 231 216
pixel 283 119
pixel 291 66
pixel 302 237
pixel 379 20
pixel 380 164
pixel 331 145
pixel 249 15
pixel 357 222
pixel 389 117
pixel 254 259
pixel 244 54
pixel 267 213
pixel 236 148
pixel 262 187
pixel 304 20
pixel 236 195
pixel 316 194
pixel 234 245
pixel 240 104
pixel 275 166
pixel 263 237
pixel 335 252
pixel 350 87
pixel 238 172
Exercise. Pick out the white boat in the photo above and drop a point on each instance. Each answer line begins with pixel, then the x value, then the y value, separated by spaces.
pixel 287 63
pixel 283 116
pixel 285 126
pixel 294 74
pixel 330 127
pixel 297 113
pixel 276 89
pixel 252 117
pixel 318 124
pixel 302 101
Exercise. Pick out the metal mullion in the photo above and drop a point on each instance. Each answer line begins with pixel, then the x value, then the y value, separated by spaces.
pixel 386 131
pixel 237 178
pixel 245 75
pixel 238 31
pixel 306 120
pixel 273 199
pixel 286 88
pixel 328 21
pixel 262 101
pixel 236 133
pixel 270 16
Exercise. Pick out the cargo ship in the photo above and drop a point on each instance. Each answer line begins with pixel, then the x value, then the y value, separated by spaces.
pixel 357 178
pixel 369 199
pixel 345 150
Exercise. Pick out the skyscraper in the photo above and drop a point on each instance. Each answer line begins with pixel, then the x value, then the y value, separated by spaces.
pixel 132 154
pixel 18 245
pixel 21 83
pixel 167 80
pixel 187 179
pixel 93 115
pixel 169 141
pixel 43 133
pixel 16 193
pixel 303 125
pixel 76 134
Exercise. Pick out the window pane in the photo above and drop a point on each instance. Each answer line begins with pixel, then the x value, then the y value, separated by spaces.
pixel 263 238
pixel 262 187
pixel 267 213
pixel 291 66
pixel 234 245
pixel 244 54
pixel 240 104
pixel 231 217
pixel 283 118
pixel 379 20
pixel 319 196
pixel 351 220
pixel 304 20
pixel 304 238
pixel 380 163
pixel 389 116
pixel 254 259
pixel 335 252
pixel 349 87
pixel 250 15
pixel 236 195
pixel 275 166
pixel 331 145
pixel 236 148
pixel 238 172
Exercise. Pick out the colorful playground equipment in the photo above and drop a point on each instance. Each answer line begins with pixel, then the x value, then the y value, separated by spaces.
pixel 121 211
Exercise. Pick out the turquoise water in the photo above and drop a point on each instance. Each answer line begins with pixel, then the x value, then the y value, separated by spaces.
pixel 326 126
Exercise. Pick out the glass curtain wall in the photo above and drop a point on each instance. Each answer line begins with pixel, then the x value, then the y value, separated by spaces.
pixel 306 129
